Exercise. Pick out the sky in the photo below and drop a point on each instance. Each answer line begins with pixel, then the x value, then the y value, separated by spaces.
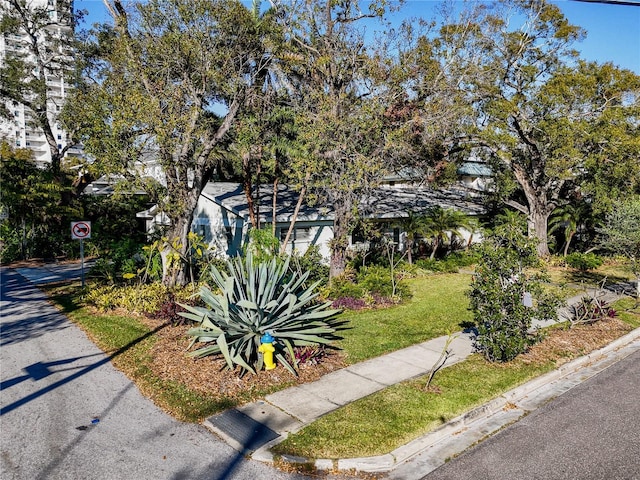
pixel 613 30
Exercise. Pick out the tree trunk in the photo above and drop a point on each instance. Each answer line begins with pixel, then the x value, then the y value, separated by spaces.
pixel 436 244
pixel 540 207
pixel 175 257
pixel 274 206
pixel 247 185
pixel 566 246
pixel 537 222
pixel 296 211
pixel 340 242
pixel 409 252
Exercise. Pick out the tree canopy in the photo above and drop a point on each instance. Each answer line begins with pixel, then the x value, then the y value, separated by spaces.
pixel 165 84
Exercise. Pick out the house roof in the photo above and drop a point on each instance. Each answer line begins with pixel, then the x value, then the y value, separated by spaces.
pixel 475 169
pixel 383 203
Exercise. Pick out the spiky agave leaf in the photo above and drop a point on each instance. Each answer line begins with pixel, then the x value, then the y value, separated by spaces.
pixel 256 298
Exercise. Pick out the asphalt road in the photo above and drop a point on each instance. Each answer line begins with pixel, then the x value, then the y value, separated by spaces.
pixel 592 432
pixel 67 413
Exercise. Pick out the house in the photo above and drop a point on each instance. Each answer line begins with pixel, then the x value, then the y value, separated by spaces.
pixel 222 215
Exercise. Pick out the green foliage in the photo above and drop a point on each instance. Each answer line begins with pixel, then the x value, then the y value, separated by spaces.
pixel 133 298
pixel 256 298
pixel 118 259
pixel 113 219
pixel 442 223
pixel 262 244
pixel 451 263
pixel 344 286
pixel 621 231
pixel 376 280
pixel 500 286
pixel 583 261
pixel 37 223
pixel 313 263
pixel 373 284
pixel 568 219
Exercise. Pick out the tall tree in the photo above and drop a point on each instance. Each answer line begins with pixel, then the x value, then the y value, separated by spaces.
pixel 540 108
pixel 170 77
pixel 340 121
pixel 44 54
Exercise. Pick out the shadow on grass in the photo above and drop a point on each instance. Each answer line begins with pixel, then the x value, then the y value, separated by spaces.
pixel 593 279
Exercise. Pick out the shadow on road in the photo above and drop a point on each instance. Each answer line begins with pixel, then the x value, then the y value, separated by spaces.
pixel 12 406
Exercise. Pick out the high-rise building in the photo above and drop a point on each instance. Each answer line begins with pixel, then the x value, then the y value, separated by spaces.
pixel 39 48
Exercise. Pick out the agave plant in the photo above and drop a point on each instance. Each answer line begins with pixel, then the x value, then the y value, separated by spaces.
pixel 254 299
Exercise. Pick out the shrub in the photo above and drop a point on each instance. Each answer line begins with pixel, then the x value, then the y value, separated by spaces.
pixel 583 261
pixel 500 286
pixel 134 298
pixel 313 263
pixel 376 281
pixel 344 287
pixel 451 263
pixel 254 299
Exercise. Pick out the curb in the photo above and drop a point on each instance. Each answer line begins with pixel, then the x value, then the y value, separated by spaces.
pixel 467 429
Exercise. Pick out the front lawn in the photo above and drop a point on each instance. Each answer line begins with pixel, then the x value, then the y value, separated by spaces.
pixel 438 306
pixel 385 420
pixel 153 354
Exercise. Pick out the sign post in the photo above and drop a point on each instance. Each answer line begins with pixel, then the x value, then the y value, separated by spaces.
pixel 80 231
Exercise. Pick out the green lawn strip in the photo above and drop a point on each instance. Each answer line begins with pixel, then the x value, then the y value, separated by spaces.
pixel 438 306
pixel 385 420
pixel 628 309
pixel 381 422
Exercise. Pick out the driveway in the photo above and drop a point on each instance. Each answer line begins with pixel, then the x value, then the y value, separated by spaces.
pixel 67 413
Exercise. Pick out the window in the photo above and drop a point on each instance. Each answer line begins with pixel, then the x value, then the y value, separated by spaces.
pixel 59 137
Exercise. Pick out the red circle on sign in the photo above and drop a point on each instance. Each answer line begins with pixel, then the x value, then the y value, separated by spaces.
pixel 81 230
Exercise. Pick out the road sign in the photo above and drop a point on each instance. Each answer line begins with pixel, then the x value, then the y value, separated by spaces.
pixel 80 230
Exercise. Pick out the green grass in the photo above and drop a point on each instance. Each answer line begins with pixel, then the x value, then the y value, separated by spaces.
pixel 381 422
pixel 628 310
pixel 438 306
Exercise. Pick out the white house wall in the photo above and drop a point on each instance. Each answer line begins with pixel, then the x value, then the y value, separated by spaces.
pixel 222 229
pixel 318 233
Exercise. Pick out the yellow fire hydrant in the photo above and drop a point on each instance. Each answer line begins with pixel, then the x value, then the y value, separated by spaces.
pixel 266 348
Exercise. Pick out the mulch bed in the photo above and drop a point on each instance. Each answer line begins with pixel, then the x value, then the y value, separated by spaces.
pixel 209 375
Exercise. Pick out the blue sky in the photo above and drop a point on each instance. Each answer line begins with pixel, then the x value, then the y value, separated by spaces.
pixel 613 30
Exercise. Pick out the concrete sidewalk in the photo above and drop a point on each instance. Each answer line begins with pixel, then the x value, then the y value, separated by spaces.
pixel 257 426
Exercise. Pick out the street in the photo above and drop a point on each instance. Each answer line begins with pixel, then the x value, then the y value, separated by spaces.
pixel 67 413
pixel 592 432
